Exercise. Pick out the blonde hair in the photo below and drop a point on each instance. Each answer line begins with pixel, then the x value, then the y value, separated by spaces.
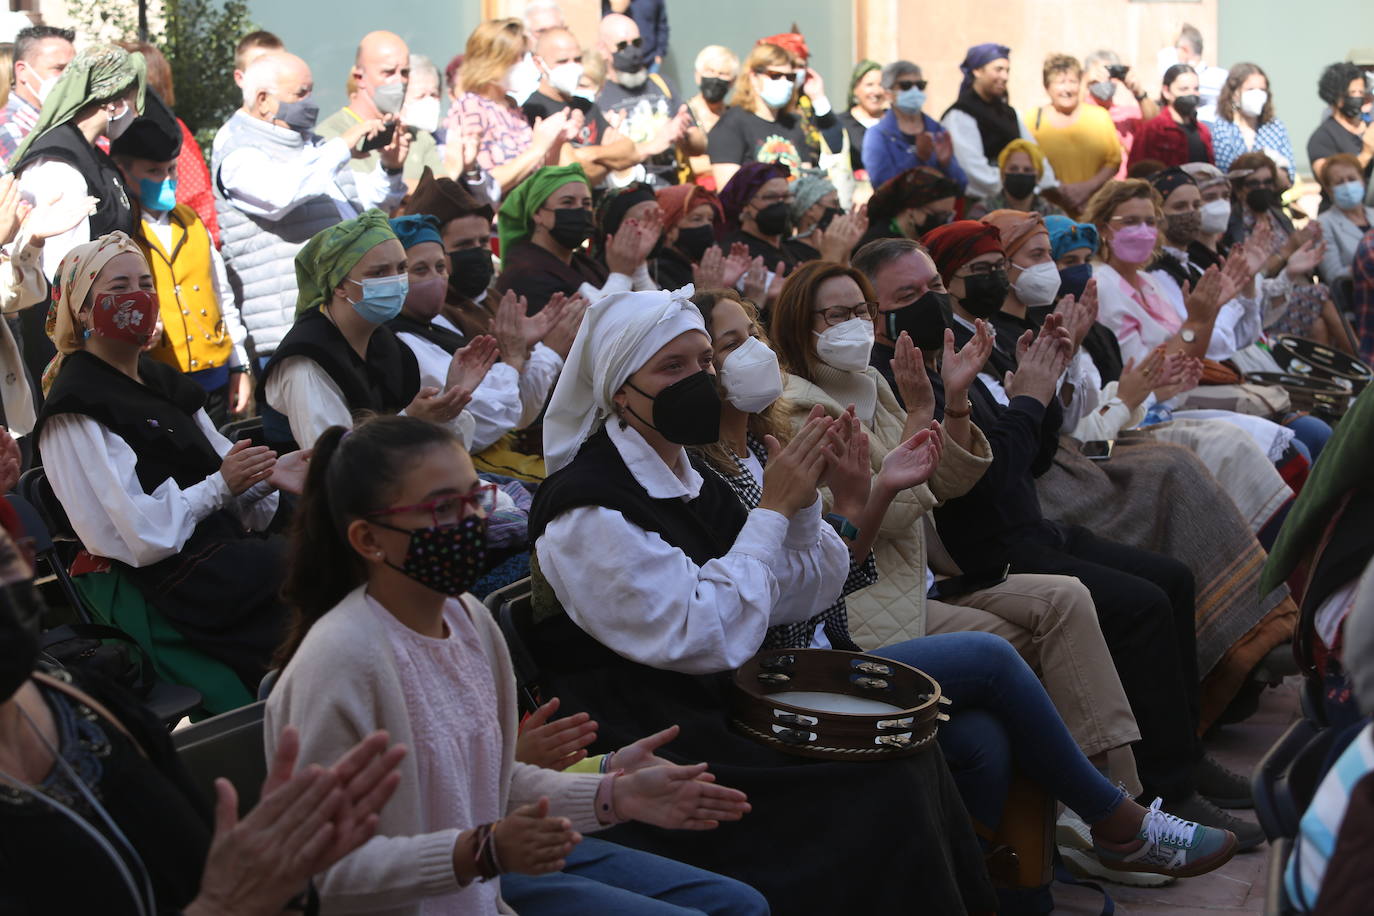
pixel 1061 63
pixel 493 48
pixel 1113 194
pixel 594 66
pixel 761 58
pixel 716 54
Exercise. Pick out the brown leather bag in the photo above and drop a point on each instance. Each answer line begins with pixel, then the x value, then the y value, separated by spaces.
pixel 1022 849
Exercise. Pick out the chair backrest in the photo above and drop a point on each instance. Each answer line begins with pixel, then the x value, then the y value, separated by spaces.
pixel 47 524
pixel 250 428
pixel 511 605
pixel 1269 773
pixel 35 488
pixel 229 745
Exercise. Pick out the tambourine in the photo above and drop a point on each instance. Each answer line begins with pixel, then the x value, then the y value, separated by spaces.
pixel 836 705
pixel 1308 392
pixel 1300 356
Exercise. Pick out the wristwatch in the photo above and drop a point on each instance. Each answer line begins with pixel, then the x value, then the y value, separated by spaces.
pixel 843 526
pixel 1187 335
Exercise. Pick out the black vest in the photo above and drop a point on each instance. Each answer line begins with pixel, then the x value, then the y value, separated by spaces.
pixel 155 418
pixel 103 180
pixel 704 529
pixel 997 121
pixel 385 383
pixel 449 341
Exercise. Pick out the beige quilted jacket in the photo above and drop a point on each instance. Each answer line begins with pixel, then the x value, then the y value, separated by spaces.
pixel 893 609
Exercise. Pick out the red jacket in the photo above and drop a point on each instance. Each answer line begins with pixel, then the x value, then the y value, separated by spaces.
pixel 1160 138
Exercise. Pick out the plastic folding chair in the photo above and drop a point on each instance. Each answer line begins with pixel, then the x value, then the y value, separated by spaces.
pixel 511 607
pixel 1268 779
pixel 231 746
pixel 250 428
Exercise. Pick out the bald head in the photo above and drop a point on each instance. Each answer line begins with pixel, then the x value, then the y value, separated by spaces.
pixel 557 46
pixel 383 59
pixel 616 28
pixel 273 79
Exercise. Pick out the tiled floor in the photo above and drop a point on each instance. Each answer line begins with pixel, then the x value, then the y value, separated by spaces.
pixel 1237 887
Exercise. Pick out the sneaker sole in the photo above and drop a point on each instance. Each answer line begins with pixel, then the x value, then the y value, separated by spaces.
pixel 1085 864
pixel 1192 869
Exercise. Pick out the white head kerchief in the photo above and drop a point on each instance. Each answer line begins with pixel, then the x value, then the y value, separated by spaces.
pixel 619 334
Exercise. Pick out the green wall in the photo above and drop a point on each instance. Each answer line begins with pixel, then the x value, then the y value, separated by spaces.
pixel 326 34
pixel 1293 44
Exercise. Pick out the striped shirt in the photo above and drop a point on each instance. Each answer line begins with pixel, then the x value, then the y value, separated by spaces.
pixel 17 119
pixel 1321 824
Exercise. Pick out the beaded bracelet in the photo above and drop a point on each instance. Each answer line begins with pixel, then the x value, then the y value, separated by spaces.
pixel 484 858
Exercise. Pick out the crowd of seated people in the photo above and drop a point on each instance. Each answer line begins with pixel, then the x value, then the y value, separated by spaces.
pixel 995 394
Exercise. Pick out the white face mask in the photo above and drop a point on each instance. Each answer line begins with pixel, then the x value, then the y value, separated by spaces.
pixel 43 88
pixel 565 77
pixel 1252 102
pixel 422 114
pixel 522 80
pixel 119 122
pixel 847 345
pixel 1038 285
pixel 1216 216
pixel 751 377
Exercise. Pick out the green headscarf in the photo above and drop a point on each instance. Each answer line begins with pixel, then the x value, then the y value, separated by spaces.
pixel 517 210
pixel 96 74
pixel 326 259
pixel 861 69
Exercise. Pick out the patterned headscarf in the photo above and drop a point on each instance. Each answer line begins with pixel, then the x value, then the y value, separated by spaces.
pixel 808 189
pixel 71 286
pixel 980 56
pixel 861 69
pixel 791 42
pixel 1067 235
pixel 678 200
pixel 326 259
pixel 98 73
pixel 1170 180
pixel 1016 228
pixel 744 184
pixel 912 188
pixel 517 210
pixel 955 244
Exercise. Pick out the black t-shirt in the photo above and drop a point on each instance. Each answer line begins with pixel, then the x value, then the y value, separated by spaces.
pixel 645 110
pixel 1329 139
pixel 741 136
pixel 593 131
pixel 1197 149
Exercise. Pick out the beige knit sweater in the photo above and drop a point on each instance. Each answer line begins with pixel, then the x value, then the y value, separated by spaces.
pixel 341 686
pixel 893 609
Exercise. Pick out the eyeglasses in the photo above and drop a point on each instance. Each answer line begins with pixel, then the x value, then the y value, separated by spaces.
pixel 1134 221
pixel 904 85
pixel 452 509
pixel 983 269
pixel 839 314
pixel 622 45
pixel 785 197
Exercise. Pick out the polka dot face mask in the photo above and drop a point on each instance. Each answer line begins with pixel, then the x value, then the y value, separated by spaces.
pixel 445 558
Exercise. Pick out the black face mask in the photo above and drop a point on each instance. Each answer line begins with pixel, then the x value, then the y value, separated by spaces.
pixel 694 241
pixel 572 226
pixel 713 88
pixel 628 59
pixel 1351 106
pixel 923 320
pixel 1186 106
pixel 773 219
pixel 21 610
pixel 687 412
pixel 933 221
pixel 828 217
pixel 985 293
pixel 1073 281
pixel 470 271
pixel 1019 185
pixel 1260 200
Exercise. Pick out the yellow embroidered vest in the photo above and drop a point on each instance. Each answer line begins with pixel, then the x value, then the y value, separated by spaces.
pixel 194 336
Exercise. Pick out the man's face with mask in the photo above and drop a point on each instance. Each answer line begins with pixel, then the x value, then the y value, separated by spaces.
pixel 624 48
pixel 39 70
pixel 381 71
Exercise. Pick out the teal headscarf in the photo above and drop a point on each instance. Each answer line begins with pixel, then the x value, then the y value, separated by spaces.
pixel 413 230
pixel 1067 235
pixel 96 74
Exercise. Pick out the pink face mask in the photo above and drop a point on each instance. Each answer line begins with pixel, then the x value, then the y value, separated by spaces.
pixel 425 297
pixel 1134 244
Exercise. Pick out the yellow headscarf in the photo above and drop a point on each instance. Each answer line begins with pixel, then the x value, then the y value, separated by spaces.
pixel 71 286
pixel 1027 147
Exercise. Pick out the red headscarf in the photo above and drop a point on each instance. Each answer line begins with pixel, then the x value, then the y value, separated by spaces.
pixel 791 42
pixel 677 200
pixel 955 244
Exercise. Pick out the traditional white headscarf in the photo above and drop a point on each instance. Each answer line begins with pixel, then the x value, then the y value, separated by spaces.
pixel 619 334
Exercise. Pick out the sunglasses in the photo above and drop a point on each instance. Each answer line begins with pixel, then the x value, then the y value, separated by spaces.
pixel 904 85
pixel 636 42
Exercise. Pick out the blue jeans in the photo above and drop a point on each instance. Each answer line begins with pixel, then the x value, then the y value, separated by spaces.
pixel 601 877
pixel 1311 432
pixel 1000 714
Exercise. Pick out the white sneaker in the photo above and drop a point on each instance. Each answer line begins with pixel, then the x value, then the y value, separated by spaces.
pixel 1075 842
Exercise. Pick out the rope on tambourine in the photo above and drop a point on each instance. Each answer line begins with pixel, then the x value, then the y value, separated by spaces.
pixel 770 739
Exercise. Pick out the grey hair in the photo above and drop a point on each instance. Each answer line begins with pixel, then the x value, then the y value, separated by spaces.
pixel 878 253
pixel 1191 34
pixel 535 6
pixel 420 63
pixel 896 70
pixel 1106 57
pixel 262 75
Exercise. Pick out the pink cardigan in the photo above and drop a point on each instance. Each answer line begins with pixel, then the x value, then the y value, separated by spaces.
pixel 341 686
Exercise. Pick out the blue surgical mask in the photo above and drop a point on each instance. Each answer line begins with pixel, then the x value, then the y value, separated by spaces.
pixel 777 92
pixel 157 195
pixel 1348 194
pixel 910 100
pixel 382 297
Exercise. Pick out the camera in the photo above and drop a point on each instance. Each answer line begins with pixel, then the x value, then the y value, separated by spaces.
pixel 1117 71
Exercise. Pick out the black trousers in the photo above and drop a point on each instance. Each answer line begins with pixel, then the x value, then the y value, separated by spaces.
pixel 1145 607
